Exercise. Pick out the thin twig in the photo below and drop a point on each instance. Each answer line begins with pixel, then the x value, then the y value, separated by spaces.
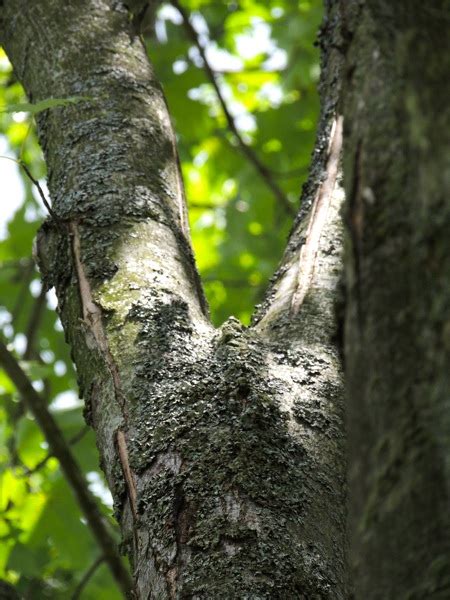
pixel 40 465
pixel 35 182
pixel 79 435
pixel 73 440
pixel 263 171
pixel 41 192
pixel 60 449
pixel 84 580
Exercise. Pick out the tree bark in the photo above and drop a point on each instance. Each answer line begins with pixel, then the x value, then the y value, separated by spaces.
pixel 223 449
pixel 397 176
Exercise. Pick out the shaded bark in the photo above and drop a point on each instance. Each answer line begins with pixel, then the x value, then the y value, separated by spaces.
pixel 223 448
pixel 397 176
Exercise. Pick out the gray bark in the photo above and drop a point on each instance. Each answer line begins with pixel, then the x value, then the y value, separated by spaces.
pixel 224 449
pixel 397 177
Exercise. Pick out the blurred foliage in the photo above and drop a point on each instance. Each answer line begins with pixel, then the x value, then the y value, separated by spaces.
pixel 267 68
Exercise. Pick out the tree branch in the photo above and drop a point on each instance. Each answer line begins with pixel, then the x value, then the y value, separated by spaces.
pixel 36 183
pixel 310 268
pixel 69 466
pixel 85 579
pixel 73 440
pixel 262 170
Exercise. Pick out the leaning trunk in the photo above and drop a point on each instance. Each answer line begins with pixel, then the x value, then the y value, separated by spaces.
pixel 223 448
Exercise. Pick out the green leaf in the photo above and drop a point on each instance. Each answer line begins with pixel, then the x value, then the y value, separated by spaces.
pixel 26 560
pixel 36 370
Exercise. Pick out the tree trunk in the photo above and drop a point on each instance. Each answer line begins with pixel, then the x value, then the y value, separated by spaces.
pixel 397 177
pixel 223 449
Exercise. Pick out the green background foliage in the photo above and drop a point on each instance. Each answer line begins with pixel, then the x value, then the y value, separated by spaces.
pixel 267 69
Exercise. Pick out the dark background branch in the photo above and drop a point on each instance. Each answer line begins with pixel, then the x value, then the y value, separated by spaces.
pixel 60 449
pixel 262 170
pixel 85 579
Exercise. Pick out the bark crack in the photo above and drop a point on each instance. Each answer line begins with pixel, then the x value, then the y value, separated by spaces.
pixel 127 473
pixel 92 319
pixel 317 220
pixel 181 196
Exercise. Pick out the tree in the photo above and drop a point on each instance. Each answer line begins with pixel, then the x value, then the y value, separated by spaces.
pixel 225 449
pixel 396 169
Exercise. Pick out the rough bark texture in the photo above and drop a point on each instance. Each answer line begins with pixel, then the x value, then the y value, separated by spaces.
pixel 397 177
pixel 223 448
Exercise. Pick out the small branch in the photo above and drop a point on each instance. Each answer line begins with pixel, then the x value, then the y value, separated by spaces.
pixel 36 183
pixel 262 170
pixel 40 465
pixel 84 580
pixel 69 466
pixel 79 435
pixel 73 440
pixel 38 187
pixel 40 191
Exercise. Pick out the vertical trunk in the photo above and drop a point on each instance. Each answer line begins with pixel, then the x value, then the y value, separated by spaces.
pixel 397 176
pixel 223 448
